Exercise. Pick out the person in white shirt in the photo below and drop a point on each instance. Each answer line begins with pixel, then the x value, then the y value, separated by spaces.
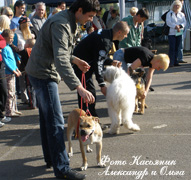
pixel 175 19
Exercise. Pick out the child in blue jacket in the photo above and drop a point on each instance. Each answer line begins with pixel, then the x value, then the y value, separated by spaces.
pixel 11 70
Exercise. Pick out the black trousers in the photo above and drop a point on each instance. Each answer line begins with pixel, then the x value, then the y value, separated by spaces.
pixel 3 89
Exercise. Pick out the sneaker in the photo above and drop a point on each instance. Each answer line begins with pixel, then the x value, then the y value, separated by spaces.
pixel 1 124
pixel 72 175
pixel 6 119
pixel 18 112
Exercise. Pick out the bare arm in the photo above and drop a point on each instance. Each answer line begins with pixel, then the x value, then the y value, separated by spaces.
pixel 149 80
pixel 134 65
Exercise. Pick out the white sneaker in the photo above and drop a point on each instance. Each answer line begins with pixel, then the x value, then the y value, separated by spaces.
pixel 6 119
pixel 1 124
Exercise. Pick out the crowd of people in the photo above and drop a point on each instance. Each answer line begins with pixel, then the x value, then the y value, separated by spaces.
pixel 37 52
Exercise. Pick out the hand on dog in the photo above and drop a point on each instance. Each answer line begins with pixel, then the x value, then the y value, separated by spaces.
pixel 116 63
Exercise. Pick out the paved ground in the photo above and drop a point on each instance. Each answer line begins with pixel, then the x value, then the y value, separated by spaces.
pixel 164 138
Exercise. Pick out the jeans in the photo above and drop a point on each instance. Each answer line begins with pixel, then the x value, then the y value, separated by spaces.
pixel 180 50
pixel 119 55
pixel 174 42
pixel 51 124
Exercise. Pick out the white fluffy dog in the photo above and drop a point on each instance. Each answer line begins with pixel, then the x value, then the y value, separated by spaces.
pixel 120 99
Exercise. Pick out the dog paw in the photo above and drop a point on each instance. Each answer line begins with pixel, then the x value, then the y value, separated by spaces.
pixel 89 150
pixel 100 164
pixel 84 168
pixel 135 127
pixel 70 155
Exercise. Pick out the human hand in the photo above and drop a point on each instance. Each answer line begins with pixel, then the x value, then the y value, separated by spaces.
pixel 104 90
pixel 82 65
pixel 86 95
pixel 144 95
pixel 177 27
pixel 17 73
pixel 116 63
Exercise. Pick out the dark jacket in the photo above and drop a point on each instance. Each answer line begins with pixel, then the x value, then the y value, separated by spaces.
pixel 94 50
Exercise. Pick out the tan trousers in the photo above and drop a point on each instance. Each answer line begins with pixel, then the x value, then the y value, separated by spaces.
pixel 11 104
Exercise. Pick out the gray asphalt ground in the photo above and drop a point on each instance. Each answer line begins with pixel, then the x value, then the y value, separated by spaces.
pixel 164 138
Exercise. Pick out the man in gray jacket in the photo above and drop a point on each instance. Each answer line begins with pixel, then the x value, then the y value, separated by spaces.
pixel 38 19
pixel 51 58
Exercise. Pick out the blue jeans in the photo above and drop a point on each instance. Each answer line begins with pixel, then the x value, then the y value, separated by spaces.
pixel 180 50
pixel 51 124
pixel 119 55
pixel 174 43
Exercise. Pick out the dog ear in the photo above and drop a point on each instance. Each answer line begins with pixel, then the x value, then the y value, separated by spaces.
pixel 142 74
pixel 95 119
pixel 82 118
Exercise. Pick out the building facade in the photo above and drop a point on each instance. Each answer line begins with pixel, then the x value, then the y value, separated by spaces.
pixel 8 2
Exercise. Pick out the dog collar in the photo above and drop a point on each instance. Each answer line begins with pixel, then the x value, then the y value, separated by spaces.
pixel 138 86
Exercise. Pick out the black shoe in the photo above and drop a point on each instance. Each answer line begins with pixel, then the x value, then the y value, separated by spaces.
pixel 48 165
pixel 182 62
pixel 72 175
pixel 177 64
pixel 151 89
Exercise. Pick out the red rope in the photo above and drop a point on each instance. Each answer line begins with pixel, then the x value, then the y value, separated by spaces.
pixel 83 82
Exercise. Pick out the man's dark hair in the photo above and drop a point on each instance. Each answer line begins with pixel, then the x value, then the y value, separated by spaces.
pixel 86 5
pixel 18 4
pixel 60 3
pixel 6 33
pixel 33 7
pixel 113 11
pixel 144 13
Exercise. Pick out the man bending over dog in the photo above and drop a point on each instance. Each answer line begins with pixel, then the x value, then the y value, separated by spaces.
pixel 94 50
pixel 142 57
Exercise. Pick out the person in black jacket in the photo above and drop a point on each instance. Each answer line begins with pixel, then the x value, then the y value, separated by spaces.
pixel 94 50
pixel 107 15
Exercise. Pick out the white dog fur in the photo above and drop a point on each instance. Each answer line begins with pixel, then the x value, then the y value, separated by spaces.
pixel 120 99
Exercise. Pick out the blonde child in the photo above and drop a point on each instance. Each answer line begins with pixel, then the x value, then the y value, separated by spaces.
pixel 11 70
pixel 133 12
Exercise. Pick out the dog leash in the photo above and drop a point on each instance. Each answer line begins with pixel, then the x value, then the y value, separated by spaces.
pixel 83 82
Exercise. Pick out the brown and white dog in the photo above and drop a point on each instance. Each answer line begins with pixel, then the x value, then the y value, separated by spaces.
pixel 90 132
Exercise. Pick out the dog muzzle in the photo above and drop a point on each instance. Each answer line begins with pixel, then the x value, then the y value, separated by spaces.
pixel 85 137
